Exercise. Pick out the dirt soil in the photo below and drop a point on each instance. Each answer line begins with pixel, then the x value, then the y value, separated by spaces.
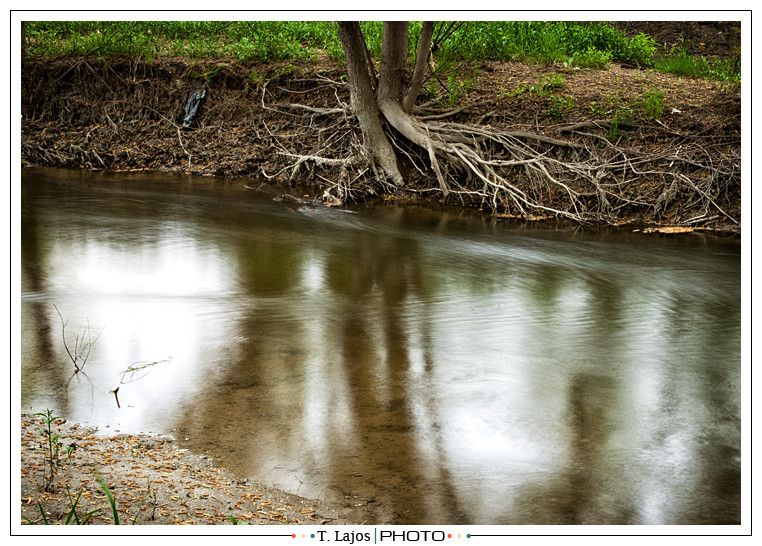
pixel 75 117
pixel 710 39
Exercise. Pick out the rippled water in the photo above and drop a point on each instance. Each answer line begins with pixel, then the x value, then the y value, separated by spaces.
pixel 449 369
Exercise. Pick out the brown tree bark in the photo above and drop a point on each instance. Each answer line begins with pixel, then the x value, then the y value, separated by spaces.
pixel 390 91
pixel 363 100
pixel 388 98
pixel 393 61
pixel 421 57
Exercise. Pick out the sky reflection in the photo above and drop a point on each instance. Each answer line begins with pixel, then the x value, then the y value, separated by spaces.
pixel 451 370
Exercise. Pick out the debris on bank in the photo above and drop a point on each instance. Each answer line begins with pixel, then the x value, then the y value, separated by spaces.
pixel 151 481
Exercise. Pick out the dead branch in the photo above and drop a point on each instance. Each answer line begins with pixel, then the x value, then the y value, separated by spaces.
pixel 315 111
pixel 82 347
pixel 599 123
pixel 443 114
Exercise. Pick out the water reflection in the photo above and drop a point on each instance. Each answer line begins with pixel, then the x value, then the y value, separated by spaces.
pixel 446 369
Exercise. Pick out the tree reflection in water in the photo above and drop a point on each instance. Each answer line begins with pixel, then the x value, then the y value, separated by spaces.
pixel 440 367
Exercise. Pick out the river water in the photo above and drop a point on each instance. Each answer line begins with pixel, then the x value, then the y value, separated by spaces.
pixel 445 368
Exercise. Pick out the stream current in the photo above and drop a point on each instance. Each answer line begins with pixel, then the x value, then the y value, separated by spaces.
pixel 442 367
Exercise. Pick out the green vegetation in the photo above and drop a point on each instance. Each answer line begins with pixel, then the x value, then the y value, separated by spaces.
pixel 549 83
pixel 592 58
pixel 544 86
pixel 552 41
pixel 653 103
pixel 580 44
pixel 53 451
pixel 680 62
pixel 53 462
pixel 111 500
pixel 74 517
pixel 458 88
pixel 558 106
pixel 52 456
pixel 241 40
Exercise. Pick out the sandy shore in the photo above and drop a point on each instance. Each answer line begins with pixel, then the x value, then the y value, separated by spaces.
pixel 152 482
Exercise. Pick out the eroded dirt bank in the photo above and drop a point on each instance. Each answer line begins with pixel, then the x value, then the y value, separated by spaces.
pixel 256 119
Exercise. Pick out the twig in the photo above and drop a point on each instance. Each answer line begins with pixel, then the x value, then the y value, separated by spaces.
pixel 116 396
pixel 81 348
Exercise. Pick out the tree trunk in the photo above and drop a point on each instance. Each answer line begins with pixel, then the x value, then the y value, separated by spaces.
pixel 421 57
pixel 390 89
pixel 363 100
pixel 388 98
pixel 393 61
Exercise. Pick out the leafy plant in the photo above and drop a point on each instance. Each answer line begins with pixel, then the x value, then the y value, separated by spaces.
pixel 559 106
pixel 549 48
pixel 72 516
pixel 593 58
pixel 613 132
pixel 457 88
pixel 598 110
pixel 207 75
pixel 520 89
pixel 52 459
pixel 42 514
pixel 83 519
pixel 680 62
pixel 638 50
pixel 590 44
pixel 653 103
pixel 548 84
pixel 622 115
pixel 543 88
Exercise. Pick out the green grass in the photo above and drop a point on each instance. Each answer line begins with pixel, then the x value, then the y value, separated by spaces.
pixel 584 44
pixel 592 58
pixel 551 41
pixel 678 61
pixel 241 40
pixel 653 103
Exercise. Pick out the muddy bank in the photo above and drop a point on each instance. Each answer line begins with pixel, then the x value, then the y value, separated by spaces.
pixel 153 483
pixel 261 120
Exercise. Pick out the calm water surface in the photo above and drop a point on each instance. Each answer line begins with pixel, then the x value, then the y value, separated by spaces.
pixel 451 369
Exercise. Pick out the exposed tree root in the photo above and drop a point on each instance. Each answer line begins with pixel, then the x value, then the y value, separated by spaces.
pixel 516 172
